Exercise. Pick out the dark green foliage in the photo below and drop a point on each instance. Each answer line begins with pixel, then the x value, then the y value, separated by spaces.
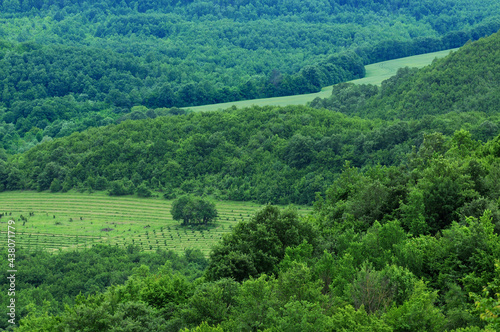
pixel 379 280
pixel 212 302
pixel 224 151
pixel 462 82
pixel 488 305
pixel 257 246
pixel 48 281
pixel 271 154
pixel 80 64
pixel 143 190
pixel 299 151
pixel 193 210
pixel 418 313
pixel 121 187
pixel 406 216
pixel 165 289
pixel 55 186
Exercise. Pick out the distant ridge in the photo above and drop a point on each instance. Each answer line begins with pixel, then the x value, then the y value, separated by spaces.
pixel 375 74
pixel 466 80
pixel 273 154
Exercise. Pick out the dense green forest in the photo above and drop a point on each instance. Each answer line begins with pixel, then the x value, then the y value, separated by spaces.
pixel 47 282
pixel 270 154
pixel 453 84
pixel 400 248
pixel 273 154
pixel 404 178
pixel 69 65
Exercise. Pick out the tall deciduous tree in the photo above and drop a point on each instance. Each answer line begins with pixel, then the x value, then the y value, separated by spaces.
pixel 259 245
pixel 193 210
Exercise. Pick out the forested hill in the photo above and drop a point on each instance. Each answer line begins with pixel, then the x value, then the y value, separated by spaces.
pixel 404 179
pixel 465 81
pixel 269 154
pixel 69 65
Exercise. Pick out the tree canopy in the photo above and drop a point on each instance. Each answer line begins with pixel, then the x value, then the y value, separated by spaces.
pixel 67 66
pixel 404 179
pixel 194 210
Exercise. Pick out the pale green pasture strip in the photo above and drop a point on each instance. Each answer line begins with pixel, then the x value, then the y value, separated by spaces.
pixel 276 101
pixel 109 213
pixel 378 72
pixel 50 204
pixel 85 209
pixel 375 74
pixel 34 235
pixel 106 211
pixel 44 200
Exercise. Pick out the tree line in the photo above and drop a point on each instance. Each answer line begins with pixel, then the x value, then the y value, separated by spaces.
pixel 47 282
pixel 462 82
pixel 69 66
pixel 270 154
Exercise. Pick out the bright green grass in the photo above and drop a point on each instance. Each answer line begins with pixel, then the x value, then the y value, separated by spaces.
pixel 375 74
pixel 75 220
pixel 378 72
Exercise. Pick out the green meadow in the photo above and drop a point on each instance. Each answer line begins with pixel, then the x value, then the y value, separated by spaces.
pixel 375 74
pixel 378 72
pixel 61 221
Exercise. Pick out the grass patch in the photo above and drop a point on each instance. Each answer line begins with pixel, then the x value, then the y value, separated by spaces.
pixel 61 221
pixel 375 74
pixel 378 72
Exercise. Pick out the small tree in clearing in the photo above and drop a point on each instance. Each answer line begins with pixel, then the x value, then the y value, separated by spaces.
pixel 193 210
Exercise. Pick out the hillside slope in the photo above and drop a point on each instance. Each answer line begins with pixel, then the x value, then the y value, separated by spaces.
pixel 465 81
pixel 269 154
pixel 167 54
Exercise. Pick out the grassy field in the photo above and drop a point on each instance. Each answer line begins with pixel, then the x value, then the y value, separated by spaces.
pixel 375 74
pixel 72 220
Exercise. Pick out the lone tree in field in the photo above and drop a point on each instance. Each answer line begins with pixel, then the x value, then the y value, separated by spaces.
pixel 193 210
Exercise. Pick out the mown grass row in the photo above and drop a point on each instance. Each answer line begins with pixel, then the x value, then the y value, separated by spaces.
pixel 60 221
